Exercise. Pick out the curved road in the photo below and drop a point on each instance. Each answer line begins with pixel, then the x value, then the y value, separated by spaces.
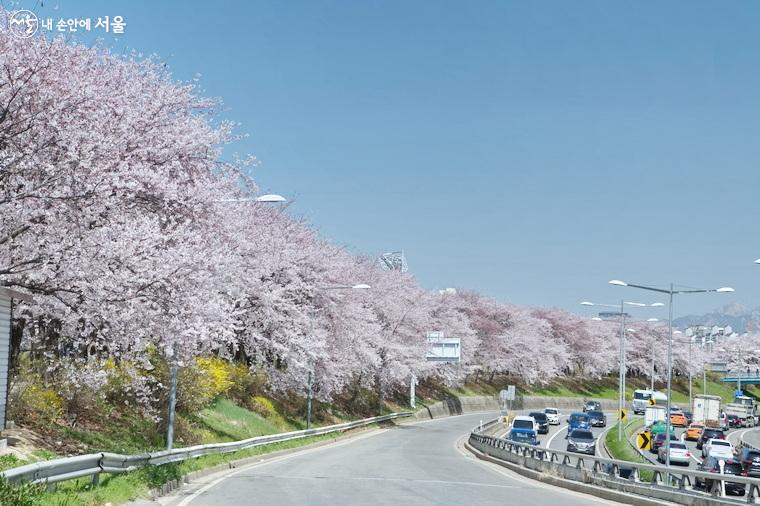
pixel 420 463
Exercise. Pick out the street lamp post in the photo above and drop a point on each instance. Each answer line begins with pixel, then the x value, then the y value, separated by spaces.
pixel 310 382
pixel 621 357
pixel 670 292
pixel 269 198
pixel 651 375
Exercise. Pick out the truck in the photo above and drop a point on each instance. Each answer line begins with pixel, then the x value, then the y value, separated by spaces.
pixel 654 414
pixel 705 408
pixel 642 399
pixel 743 407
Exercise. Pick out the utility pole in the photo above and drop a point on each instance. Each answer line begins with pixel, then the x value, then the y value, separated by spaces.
pixel 308 403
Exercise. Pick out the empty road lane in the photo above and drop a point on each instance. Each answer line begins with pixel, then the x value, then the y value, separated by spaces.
pixel 409 464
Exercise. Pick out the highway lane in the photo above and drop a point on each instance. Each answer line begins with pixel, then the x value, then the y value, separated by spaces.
pixel 413 463
pixel 558 441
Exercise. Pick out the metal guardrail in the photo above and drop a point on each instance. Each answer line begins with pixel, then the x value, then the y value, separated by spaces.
pixel 68 468
pixel 665 481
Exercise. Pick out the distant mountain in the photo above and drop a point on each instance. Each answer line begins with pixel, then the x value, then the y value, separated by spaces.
pixel 740 318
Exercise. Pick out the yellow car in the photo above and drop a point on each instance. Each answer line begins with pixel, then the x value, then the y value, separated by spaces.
pixel 678 419
pixel 694 431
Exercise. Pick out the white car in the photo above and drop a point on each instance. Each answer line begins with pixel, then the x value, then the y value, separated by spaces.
pixel 552 415
pixel 718 448
pixel 679 453
pixel 524 422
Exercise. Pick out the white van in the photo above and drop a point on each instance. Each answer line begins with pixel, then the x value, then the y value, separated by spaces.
pixel 524 422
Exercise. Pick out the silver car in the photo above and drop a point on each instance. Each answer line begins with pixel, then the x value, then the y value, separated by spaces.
pixel 679 453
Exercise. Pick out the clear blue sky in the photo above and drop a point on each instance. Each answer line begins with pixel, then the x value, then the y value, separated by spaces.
pixel 528 150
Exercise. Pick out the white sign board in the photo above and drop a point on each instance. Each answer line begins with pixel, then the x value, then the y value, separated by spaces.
pixel 511 393
pixel 442 349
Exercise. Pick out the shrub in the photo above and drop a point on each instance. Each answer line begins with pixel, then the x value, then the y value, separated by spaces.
pixel 37 404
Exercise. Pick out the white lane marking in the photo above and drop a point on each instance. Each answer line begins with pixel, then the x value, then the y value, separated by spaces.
pixel 187 500
pixel 518 477
pixel 561 429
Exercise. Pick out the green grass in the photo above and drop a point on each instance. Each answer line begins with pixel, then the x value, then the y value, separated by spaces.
pixel 622 449
pixel 118 489
pixel 222 421
pixel 226 421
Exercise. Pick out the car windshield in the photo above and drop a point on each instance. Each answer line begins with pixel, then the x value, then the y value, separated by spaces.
pixel 550 411
pixel 540 417
pixel 582 434
pixel 522 424
pixel 642 396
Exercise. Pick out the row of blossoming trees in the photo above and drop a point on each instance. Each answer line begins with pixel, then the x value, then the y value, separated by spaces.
pixel 138 237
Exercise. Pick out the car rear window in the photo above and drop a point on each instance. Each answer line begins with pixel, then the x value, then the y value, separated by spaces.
pixel 679 446
pixel 550 411
pixel 720 442
pixel 522 424
pixel 710 433
pixel 582 434
pixel 733 468
pixel 753 455
pixel 540 417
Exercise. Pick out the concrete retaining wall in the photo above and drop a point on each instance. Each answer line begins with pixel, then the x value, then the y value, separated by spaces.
pixel 458 406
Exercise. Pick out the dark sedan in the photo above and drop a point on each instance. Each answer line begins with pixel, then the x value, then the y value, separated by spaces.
pixel 750 460
pixel 597 419
pixel 712 465
pixel 541 420
pixel 659 440
pixel 709 433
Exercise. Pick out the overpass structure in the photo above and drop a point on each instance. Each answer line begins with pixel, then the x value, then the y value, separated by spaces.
pixel 749 377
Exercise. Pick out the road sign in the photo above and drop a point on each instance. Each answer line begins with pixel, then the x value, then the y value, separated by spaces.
pixel 511 393
pixel 503 396
pixel 644 440
pixel 623 415
pixel 652 402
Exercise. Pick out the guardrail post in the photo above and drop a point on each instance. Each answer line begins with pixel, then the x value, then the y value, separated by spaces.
pixel 95 480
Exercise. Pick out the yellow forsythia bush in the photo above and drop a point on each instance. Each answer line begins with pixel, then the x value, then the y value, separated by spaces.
pixel 40 404
pixel 215 377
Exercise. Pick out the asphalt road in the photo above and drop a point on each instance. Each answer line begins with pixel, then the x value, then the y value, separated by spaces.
pixel 419 463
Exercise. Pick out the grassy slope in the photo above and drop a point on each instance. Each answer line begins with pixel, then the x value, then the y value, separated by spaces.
pixel 223 421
